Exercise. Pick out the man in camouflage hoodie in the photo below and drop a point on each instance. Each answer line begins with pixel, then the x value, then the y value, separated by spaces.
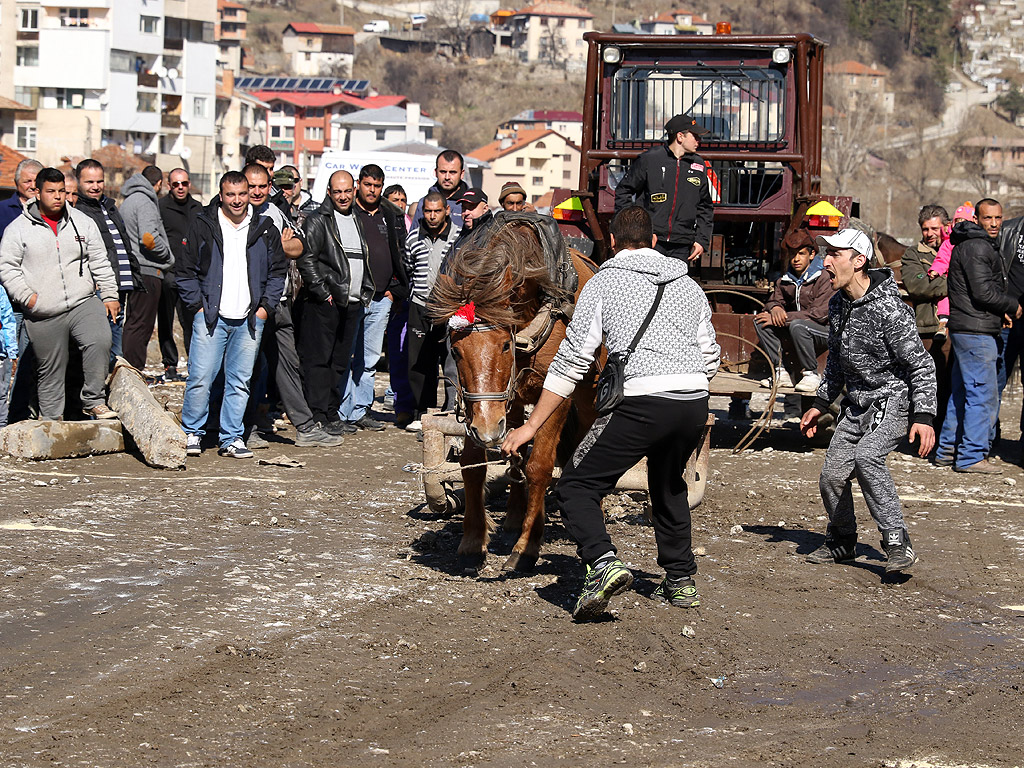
pixel 874 351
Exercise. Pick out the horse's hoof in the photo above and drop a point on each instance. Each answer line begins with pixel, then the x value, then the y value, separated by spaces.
pixel 520 562
pixel 472 563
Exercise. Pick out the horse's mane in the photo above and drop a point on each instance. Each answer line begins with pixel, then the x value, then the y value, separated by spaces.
pixel 490 273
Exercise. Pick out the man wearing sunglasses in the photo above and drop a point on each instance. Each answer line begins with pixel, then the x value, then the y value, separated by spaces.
pixel 178 210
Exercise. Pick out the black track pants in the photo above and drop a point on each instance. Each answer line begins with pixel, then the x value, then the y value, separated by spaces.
pixel 666 432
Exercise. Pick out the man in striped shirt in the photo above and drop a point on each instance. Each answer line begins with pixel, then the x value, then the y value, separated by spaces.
pixel 428 244
pixel 94 203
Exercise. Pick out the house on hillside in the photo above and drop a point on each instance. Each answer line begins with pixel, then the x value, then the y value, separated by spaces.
pixel 371 130
pixel 862 81
pixel 678 22
pixel 565 122
pixel 230 33
pixel 319 49
pixel 551 32
pixel 1002 166
pixel 539 159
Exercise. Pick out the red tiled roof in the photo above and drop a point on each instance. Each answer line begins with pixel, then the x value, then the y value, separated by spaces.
pixel 304 99
pixel 221 4
pixel 309 28
pixel 555 8
pixel 557 116
pixel 6 103
pixel 669 17
pixel 490 152
pixel 851 67
pixel 9 159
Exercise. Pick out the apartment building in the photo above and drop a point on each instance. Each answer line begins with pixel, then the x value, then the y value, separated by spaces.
pixel 319 49
pixel 539 159
pixel 230 34
pixel 140 74
pixel 551 32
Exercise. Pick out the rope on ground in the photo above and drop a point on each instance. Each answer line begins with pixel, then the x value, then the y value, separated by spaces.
pixel 446 467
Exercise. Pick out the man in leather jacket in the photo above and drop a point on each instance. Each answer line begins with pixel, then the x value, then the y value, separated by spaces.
pixel 980 304
pixel 336 288
pixel 1011 248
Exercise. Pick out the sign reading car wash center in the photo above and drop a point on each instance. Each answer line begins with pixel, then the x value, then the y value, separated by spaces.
pixel 414 172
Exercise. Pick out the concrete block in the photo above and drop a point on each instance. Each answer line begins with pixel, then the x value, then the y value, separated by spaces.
pixel 61 439
pixel 151 426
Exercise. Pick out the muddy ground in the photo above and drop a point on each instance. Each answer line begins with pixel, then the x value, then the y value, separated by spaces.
pixel 242 615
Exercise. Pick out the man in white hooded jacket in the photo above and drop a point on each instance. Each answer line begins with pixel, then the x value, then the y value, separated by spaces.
pixel 661 417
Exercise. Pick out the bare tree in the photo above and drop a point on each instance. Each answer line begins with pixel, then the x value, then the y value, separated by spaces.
pixel 849 130
pixel 454 15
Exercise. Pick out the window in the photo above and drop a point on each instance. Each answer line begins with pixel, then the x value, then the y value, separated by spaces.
pixel 309 42
pixel 275 131
pixel 566 175
pixel 29 96
pixel 70 98
pixel 199 106
pixel 538 180
pixel 149 25
pixel 26 137
pixel 74 17
pixel 29 21
pixel 146 102
pixel 312 112
pixel 541 145
pixel 520 162
pixel 567 158
pixel 561 23
pixel 28 56
pixel 381 134
pixel 122 61
pixel 309 56
pixel 314 132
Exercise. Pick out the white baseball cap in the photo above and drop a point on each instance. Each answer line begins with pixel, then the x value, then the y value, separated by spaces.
pixel 848 238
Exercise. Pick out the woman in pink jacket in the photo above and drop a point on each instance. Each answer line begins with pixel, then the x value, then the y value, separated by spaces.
pixel 941 264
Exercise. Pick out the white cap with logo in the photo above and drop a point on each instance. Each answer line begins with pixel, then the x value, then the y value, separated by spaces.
pixel 848 238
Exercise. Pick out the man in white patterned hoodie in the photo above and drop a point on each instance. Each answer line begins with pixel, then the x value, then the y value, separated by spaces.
pixel 661 417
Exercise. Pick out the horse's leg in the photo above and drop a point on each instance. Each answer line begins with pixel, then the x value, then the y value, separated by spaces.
pixel 515 510
pixel 538 478
pixel 476 526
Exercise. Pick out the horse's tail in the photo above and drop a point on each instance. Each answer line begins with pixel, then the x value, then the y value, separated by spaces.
pixel 570 436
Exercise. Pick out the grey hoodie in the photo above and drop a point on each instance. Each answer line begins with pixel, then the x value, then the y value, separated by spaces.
pixel 678 351
pixel 64 270
pixel 874 350
pixel 141 213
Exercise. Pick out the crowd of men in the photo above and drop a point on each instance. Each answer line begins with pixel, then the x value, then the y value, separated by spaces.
pixel 282 300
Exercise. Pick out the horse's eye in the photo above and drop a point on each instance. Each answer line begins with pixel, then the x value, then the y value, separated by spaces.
pixel 506 346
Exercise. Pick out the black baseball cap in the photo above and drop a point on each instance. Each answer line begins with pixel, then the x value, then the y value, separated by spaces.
pixel 684 123
pixel 472 197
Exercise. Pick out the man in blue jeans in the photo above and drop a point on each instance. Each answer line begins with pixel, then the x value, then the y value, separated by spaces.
pixel 232 277
pixel 383 228
pixel 980 304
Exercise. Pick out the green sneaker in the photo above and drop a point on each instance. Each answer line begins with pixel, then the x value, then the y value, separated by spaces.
pixel 681 593
pixel 599 587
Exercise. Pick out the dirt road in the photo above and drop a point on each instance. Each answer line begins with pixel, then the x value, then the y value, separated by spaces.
pixel 315 616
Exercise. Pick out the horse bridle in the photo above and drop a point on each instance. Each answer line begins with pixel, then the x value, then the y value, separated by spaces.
pixel 462 396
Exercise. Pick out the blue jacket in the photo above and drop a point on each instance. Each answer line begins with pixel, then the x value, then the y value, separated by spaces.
pixel 9 332
pixel 201 272
pixel 10 209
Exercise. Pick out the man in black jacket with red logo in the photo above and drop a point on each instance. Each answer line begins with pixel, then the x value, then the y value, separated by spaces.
pixel 671 183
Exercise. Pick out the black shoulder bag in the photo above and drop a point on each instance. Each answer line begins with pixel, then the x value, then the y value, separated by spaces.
pixel 611 383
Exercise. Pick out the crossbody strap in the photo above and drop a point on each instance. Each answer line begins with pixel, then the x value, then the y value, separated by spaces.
pixel 647 320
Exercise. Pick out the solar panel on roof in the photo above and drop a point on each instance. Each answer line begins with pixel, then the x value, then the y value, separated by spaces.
pixel 304 84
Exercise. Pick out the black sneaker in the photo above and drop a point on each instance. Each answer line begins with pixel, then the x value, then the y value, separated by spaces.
pixel 368 423
pixel 339 428
pixel 833 551
pixel 171 375
pixel 681 593
pixel 317 437
pixel 898 551
pixel 235 449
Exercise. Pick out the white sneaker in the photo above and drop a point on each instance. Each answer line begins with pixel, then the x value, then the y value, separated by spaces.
pixel 809 384
pixel 782 375
pixel 414 426
pixel 192 445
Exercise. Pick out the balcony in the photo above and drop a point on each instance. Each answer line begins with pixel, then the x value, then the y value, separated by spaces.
pixel 172 122
pixel 148 80
pixel 173 43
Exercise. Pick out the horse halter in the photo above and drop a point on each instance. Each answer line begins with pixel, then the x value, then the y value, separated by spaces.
pixel 478 397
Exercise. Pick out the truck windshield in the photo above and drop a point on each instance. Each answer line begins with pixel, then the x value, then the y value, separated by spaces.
pixel 739 105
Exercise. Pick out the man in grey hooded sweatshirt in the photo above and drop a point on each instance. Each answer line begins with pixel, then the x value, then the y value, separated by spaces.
pixel 141 213
pixel 53 262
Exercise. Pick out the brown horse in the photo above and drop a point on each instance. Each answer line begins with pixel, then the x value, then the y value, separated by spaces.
pixel 509 282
